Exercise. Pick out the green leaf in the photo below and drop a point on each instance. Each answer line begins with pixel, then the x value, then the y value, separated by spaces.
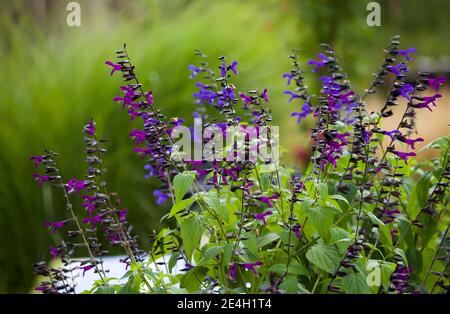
pixel 325 257
pixel 341 238
pixel 182 183
pixel 180 205
pixel 213 201
pixel 251 245
pixel 439 143
pixel 192 280
pixel 191 231
pixel 385 236
pixel 277 268
pixel 374 219
pixel 210 253
pixel 290 284
pixel 322 219
pixel 126 289
pixel 173 260
pixel 296 268
pixel 422 189
pixel 105 290
pixel 400 252
pixel 355 283
pixel 341 198
pixel 323 190
pixel 387 268
pixel 267 239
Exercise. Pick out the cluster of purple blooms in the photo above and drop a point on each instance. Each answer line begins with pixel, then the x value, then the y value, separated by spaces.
pixel 337 109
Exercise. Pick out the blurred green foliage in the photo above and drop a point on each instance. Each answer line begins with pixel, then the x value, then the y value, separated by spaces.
pixel 53 80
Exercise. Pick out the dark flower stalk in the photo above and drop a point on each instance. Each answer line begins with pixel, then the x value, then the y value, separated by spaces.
pixel 56 179
pixel 115 224
pixel 116 228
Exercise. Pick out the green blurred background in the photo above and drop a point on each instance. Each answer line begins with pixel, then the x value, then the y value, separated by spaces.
pixel 52 80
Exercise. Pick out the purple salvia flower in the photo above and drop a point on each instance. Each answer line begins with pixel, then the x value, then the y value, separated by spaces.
pixel 306 110
pixel 404 155
pixel 40 178
pixel 406 91
pixel 74 185
pixel 37 160
pixel 143 151
pixel 90 203
pixel 394 233
pixel 195 70
pixel 426 100
pixel 228 93
pixel 436 82
pixel 161 197
pixel 262 217
pixel 138 136
pixel 390 214
pixel 399 69
pixel 224 68
pixel 318 63
pixel 55 225
pixel 406 53
pixel 268 199
pixel 176 121
pixel 411 141
pixel 122 214
pixel 151 171
pixel 252 266
pixel 289 77
pixel 392 133
pixel 400 277
pixel 366 136
pixel 127 99
pixel 54 251
pixel 149 97
pixel 94 220
pixel 233 67
pixel 86 268
pixel 264 95
pixel 114 66
pixel 292 94
pixel 233 271
pixel 204 95
pixel 91 127
pixel 298 230
pixel 246 99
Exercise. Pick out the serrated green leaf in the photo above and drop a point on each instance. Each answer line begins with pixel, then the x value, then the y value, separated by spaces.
pixel 341 238
pixel 322 220
pixel 212 200
pixel 192 280
pixel 290 284
pixel 385 237
pixel 182 183
pixel 180 205
pixel 267 239
pixel 422 188
pixel 374 219
pixel 387 268
pixel 191 231
pixel 342 199
pixel 355 283
pixel 323 190
pixel 325 257
pixel 105 290
pixel 400 252
pixel 210 253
